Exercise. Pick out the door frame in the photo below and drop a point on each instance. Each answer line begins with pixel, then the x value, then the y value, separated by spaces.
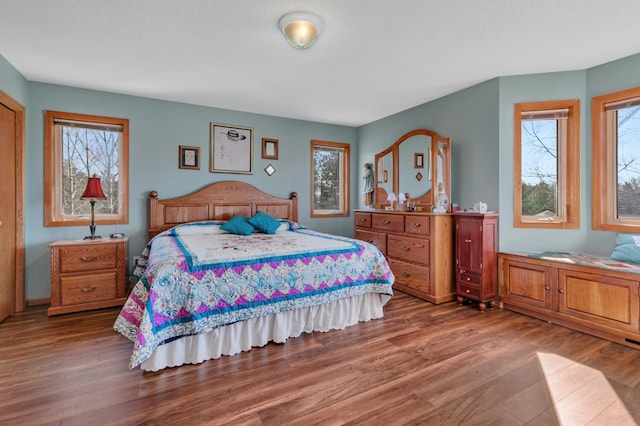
pixel 19 111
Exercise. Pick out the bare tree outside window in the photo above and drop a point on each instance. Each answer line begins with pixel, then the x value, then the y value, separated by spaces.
pixel 628 155
pixel 547 164
pixel 78 146
pixel 329 179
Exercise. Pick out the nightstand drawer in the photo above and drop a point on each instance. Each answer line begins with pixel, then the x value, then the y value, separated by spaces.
pixel 87 258
pixel 88 288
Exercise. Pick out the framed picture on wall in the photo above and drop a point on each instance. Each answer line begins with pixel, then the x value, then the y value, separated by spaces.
pixel 189 157
pixel 270 148
pixel 418 160
pixel 231 149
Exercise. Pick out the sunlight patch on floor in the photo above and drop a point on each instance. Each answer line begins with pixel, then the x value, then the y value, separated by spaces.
pixel 582 395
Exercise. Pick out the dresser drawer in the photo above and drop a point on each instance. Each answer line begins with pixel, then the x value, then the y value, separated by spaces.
pixel 408 248
pixel 387 222
pixel 362 220
pixel 87 257
pixel 411 275
pixel 378 239
pixel 76 289
pixel 417 225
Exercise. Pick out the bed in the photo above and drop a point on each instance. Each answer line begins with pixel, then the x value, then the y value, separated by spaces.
pixel 207 286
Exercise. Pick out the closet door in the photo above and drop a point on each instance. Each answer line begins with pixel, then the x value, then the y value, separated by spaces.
pixel 7 212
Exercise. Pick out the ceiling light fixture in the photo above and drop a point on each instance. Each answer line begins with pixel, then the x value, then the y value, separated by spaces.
pixel 301 29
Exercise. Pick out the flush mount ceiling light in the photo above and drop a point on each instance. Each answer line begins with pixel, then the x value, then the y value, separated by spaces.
pixel 301 29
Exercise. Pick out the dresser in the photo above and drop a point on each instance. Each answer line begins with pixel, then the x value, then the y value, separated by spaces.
pixel 476 258
pixel 88 274
pixel 418 247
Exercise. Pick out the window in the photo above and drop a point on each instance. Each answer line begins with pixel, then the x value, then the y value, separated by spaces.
pixel 616 161
pixel 547 164
pixel 78 146
pixel 329 179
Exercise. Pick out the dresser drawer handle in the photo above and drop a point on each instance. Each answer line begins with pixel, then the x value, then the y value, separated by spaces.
pixel 385 222
pixel 405 249
pixel 467 241
pixel 468 291
pixel 88 289
pixel 404 274
pixel 462 271
pixel 415 225
pixel 468 279
pixel 362 219
pixel 370 241
pixel 88 259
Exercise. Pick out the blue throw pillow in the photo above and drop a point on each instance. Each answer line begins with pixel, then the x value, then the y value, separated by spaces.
pixel 238 225
pixel 264 222
pixel 627 248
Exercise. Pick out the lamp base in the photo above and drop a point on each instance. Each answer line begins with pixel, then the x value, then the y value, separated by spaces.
pixel 92 237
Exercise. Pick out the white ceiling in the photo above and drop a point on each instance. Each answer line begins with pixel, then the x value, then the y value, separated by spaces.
pixel 374 58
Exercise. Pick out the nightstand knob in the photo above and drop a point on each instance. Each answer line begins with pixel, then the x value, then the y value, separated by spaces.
pixel 468 279
pixel 468 291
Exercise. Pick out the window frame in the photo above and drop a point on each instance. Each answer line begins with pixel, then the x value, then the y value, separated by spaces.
pixel 345 181
pixel 568 166
pixel 604 164
pixel 53 215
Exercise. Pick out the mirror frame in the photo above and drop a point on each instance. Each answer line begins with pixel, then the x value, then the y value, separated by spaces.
pixel 437 141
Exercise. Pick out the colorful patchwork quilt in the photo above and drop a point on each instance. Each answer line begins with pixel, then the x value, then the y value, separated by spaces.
pixel 196 277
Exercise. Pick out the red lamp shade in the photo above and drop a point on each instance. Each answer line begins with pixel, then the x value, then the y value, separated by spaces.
pixel 93 191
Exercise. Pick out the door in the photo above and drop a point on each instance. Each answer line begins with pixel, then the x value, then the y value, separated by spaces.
pixel 12 116
pixel 7 212
pixel 469 245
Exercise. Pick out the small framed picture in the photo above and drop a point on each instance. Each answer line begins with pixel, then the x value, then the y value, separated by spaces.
pixel 270 148
pixel 231 149
pixel 418 160
pixel 269 170
pixel 189 157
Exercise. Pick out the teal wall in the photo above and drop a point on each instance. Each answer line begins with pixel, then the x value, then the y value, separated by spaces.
pixel 469 118
pixel 532 88
pixel 479 121
pixel 156 129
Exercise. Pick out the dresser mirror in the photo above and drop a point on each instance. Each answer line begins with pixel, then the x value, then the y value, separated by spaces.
pixel 419 164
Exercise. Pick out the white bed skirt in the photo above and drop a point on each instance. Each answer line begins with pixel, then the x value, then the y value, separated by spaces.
pixel 242 336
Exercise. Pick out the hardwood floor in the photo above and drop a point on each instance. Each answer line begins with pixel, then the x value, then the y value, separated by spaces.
pixel 421 364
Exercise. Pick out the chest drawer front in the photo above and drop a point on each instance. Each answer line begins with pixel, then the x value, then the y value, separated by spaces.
pixel 378 239
pixel 411 275
pixel 387 222
pixel 471 291
pixel 408 248
pixel 83 289
pixel 87 258
pixel 362 220
pixel 469 279
pixel 417 225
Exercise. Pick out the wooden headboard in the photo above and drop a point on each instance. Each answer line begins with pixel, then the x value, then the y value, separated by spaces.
pixel 218 201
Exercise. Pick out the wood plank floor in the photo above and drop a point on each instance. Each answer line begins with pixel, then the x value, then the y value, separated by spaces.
pixel 421 364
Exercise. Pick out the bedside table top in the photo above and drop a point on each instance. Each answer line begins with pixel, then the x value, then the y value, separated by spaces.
pixel 83 241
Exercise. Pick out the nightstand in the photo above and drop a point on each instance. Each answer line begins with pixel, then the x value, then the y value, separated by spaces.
pixel 88 274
